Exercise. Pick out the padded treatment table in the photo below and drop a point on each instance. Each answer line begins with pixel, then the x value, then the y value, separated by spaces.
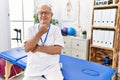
pixel 72 68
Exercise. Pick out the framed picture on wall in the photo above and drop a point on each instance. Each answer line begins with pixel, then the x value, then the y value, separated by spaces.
pixel 68 10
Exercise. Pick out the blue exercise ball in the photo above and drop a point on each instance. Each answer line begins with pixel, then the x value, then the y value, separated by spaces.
pixel 71 31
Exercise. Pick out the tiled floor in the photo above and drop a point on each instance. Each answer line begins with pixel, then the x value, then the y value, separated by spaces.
pixel 21 77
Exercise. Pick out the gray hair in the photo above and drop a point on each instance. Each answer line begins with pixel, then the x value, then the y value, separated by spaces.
pixel 45 4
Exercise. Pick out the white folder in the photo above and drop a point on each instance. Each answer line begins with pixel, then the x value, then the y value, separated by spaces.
pixel 97 18
pixel 102 36
pixel 111 39
pixel 94 37
pixel 106 38
pixel 113 15
pixel 105 17
pixel 98 37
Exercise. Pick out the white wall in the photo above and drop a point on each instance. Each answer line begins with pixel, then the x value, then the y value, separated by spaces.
pixel 85 15
pixel 4 26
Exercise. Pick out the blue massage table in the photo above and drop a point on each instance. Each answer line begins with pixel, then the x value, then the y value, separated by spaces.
pixel 72 68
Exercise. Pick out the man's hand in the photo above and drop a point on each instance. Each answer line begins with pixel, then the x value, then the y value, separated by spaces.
pixel 29 45
pixel 43 29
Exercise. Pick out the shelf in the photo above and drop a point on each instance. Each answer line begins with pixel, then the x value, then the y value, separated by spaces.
pixel 103 27
pixel 93 46
pixel 106 6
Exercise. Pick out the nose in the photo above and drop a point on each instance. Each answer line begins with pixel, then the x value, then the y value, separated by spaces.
pixel 43 14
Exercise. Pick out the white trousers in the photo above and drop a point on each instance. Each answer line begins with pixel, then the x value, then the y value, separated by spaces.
pixel 54 75
pixel 34 78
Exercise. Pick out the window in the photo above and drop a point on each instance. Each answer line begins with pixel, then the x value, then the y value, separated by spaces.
pixel 21 17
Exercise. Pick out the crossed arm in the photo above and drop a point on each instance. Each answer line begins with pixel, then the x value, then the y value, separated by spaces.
pixel 32 44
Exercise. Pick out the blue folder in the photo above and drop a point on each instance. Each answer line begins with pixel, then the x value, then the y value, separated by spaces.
pixel 72 68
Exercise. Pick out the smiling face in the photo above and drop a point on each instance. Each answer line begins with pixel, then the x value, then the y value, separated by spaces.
pixel 44 14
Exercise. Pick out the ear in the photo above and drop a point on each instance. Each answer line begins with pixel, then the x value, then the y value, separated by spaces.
pixel 51 14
